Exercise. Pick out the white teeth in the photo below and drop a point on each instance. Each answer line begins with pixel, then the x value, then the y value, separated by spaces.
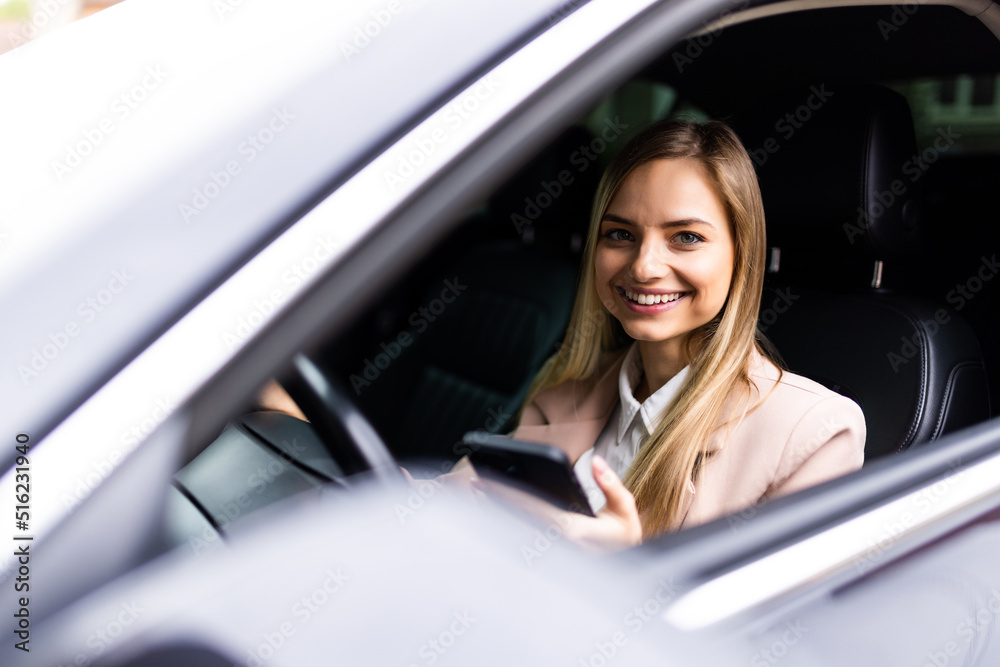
pixel 652 299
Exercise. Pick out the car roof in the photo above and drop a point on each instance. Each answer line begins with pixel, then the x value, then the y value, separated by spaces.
pixel 161 143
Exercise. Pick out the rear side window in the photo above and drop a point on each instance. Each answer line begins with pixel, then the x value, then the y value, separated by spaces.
pixel 962 111
pixel 635 105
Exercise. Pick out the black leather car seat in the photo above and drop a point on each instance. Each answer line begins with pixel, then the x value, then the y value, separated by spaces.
pixel 843 210
pixel 960 187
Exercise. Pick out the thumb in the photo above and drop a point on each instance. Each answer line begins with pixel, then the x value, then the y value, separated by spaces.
pixel 620 501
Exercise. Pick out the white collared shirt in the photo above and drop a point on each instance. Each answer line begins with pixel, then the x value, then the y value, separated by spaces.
pixel 629 425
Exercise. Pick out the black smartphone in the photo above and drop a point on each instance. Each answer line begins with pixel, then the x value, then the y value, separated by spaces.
pixel 540 469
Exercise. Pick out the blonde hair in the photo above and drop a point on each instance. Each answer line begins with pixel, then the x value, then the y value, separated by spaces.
pixel 718 352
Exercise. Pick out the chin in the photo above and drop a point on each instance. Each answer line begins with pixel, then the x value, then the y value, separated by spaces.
pixel 650 335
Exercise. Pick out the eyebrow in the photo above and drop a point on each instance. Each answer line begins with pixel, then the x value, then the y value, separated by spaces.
pixel 672 223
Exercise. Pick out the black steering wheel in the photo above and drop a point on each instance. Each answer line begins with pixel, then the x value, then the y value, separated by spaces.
pixel 348 435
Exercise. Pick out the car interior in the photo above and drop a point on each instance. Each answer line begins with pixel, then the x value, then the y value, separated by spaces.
pixel 877 142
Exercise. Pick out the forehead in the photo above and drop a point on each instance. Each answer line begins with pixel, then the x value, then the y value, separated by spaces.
pixel 674 189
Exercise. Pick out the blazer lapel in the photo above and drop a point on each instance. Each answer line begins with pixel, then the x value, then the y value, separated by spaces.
pixel 576 412
pixel 574 438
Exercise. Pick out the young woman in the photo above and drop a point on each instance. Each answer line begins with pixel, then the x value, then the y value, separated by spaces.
pixel 662 379
pixel 662 394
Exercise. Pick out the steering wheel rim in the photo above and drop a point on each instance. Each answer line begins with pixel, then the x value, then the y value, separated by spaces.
pixel 337 421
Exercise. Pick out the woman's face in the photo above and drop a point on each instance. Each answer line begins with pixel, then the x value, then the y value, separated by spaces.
pixel 665 251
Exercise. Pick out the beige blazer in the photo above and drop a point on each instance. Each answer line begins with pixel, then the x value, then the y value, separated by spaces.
pixel 800 434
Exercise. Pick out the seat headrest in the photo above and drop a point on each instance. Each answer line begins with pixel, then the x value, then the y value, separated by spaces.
pixel 840 176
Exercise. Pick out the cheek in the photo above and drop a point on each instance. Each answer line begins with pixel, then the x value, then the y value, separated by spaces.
pixel 712 279
pixel 606 267
pixel 727 274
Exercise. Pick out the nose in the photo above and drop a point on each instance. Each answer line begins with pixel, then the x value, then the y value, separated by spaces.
pixel 650 263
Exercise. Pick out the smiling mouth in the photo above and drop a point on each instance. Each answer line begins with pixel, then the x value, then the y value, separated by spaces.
pixel 650 299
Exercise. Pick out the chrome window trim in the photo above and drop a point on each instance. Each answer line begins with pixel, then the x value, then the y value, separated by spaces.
pixel 842 553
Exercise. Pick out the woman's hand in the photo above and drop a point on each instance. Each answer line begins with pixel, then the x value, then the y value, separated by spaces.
pixel 274 397
pixel 615 527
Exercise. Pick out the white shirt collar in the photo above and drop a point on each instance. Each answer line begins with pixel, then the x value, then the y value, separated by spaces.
pixel 628 379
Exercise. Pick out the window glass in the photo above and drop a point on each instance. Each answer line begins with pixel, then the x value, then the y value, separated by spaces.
pixel 965 109
pixel 636 104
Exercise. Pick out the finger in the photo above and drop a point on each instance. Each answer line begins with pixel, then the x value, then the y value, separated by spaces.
pixel 608 481
pixel 620 501
pixel 464 468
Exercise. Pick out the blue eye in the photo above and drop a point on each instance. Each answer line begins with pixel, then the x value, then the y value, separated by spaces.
pixel 689 238
pixel 618 235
